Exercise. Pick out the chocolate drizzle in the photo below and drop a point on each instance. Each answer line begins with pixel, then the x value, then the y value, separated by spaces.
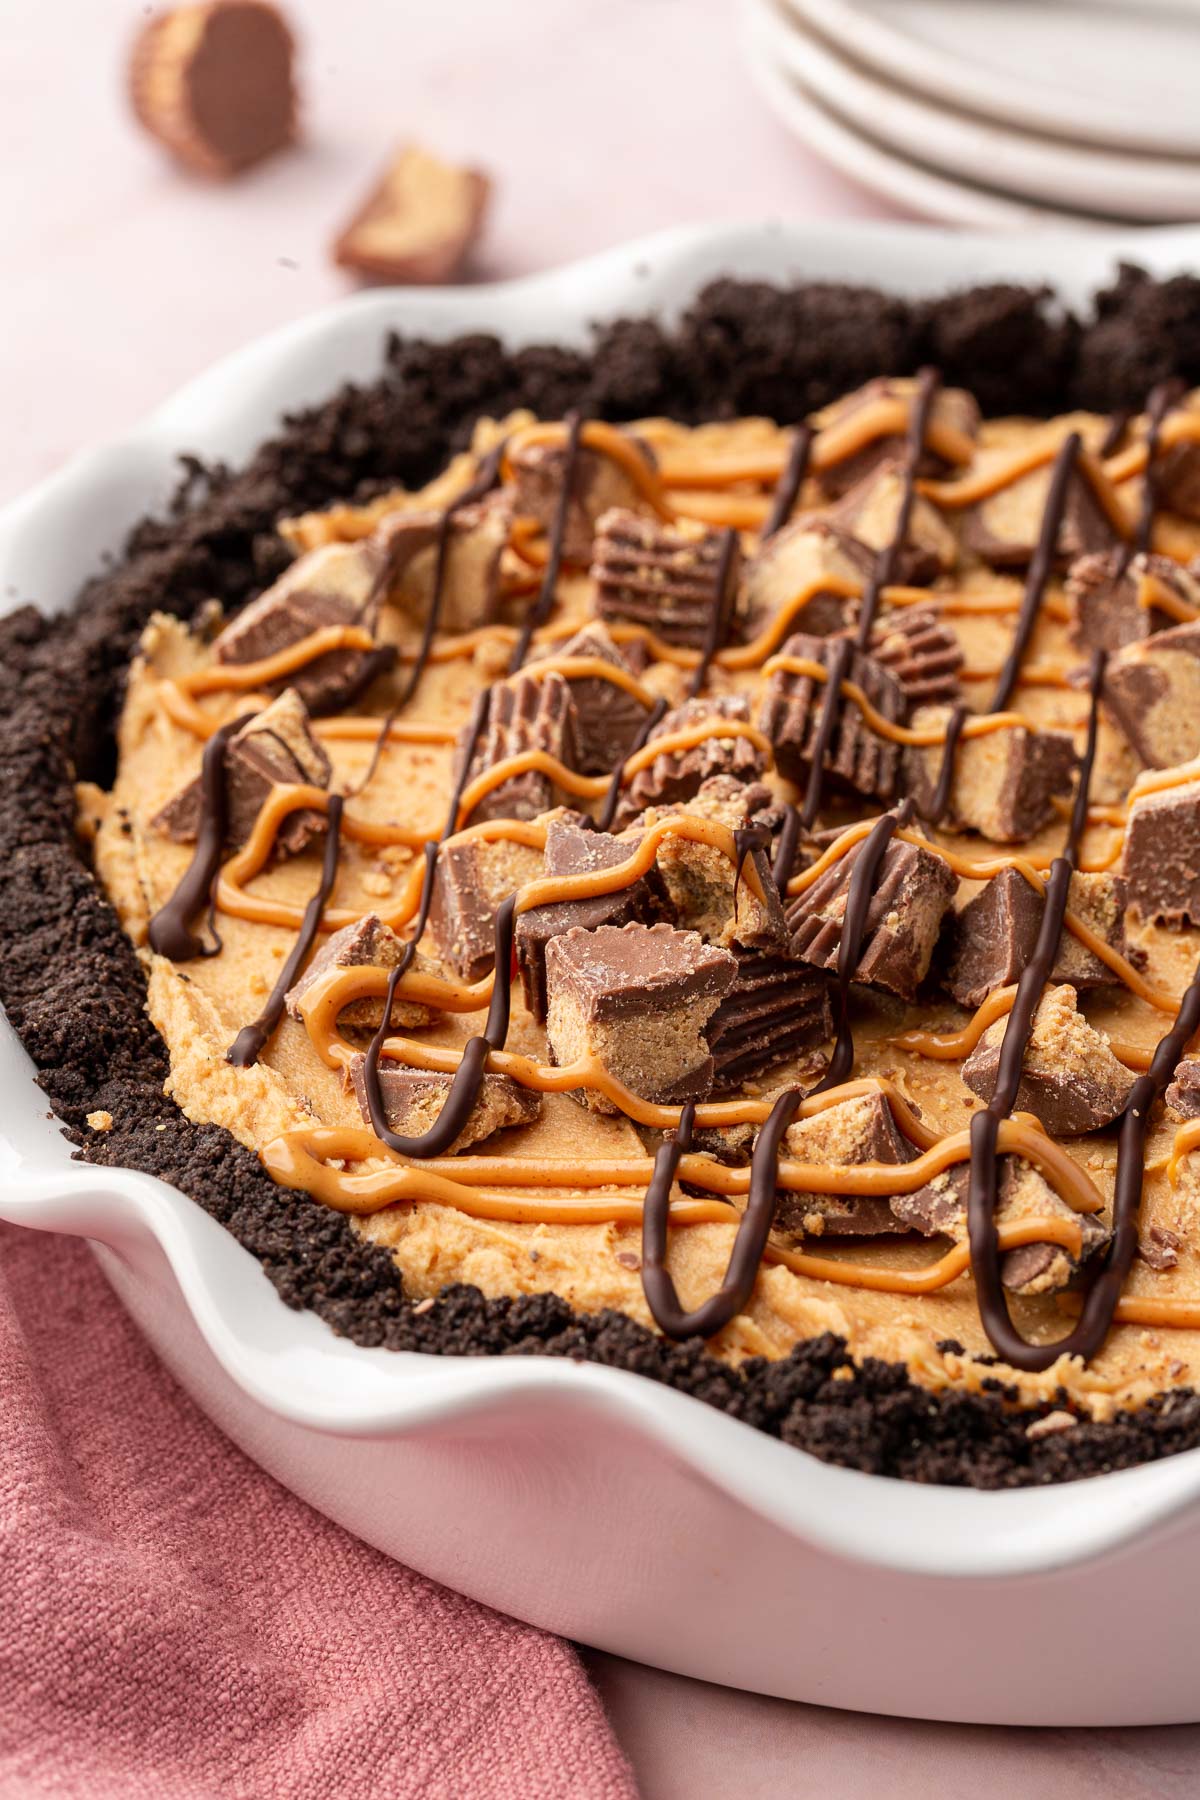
pixel 785 849
pixel 859 895
pixel 985 1126
pixel 1040 567
pixel 170 932
pixel 843 650
pixel 485 480
pixel 608 812
pixel 753 1230
pixel 791 480
pixel 252 1039
pixel 718 624
pixel 1162 399
pixel 884 571
pixel 540 610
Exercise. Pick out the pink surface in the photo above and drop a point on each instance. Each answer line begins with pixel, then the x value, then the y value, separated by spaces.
pixel 173 1623
pixel 600 120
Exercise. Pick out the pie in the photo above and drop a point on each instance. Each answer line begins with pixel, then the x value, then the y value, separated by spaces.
pixel 686 856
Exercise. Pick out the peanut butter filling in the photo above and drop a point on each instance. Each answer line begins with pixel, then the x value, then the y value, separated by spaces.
pixel 559 1205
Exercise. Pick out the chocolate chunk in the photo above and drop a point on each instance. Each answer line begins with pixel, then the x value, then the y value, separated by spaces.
pixel 275 747
pixel 407 545
pixel 1183 1095
pixel 940 1207
pixel 1159 1248
pixel 335 585
pixel 859 760
pixel 1004 781
pixel 524 713
pixel 861 1130
pixel 798 558
pixel 1112 601
pixel 413 1099
pixel 213 83
pixel 473 877
pixel 952 407
pixel 573 848
pixel 777 1008
pixel 704 891
pixel 677 775
pixel 1152 692
pixel 993 937
pixel 921 652
pixel 913 890
pixel 1071 1081
pixel 367 943
pixel 870 511
pixel 599 485
pixel 1161 859
pixel 607 717
pixel 637 999
pixel 665 577
pixel 418 223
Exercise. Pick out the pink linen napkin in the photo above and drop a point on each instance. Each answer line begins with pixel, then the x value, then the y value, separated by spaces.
pixel 174 1623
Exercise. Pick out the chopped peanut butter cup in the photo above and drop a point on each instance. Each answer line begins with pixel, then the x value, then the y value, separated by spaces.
pixel 994 935
pixel 665 577
pixel 413 1100
pixel 418 224
pixel 676 775
pixel 367 943
pixel 1161 858
pixel 335 585
pixel 909 899
pixel 1112 598
pixel 276 748
pixel 213 83
pixel 636 1001
pixel 1071 1080
pixel 574 848
pixel 1004 783
pixel 608 717
pixel 858 759
pixel 1152 692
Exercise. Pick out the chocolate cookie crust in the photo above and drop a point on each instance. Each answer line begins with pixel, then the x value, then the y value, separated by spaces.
pixel 73 987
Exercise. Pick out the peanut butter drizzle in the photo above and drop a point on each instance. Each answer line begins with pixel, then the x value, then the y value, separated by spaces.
pixel 1183 427
pixel 1186 1139
pixel 301 1160
pixel 1036 1146
pixel 978 725
pixel 1154 595
pixel 982 484
pixel 593 786
pixel 949 1046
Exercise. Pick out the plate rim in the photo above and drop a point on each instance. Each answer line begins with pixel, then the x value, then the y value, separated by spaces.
pixel 289 1362
pixel 1043 170
pixel 933 193
pixel 888 48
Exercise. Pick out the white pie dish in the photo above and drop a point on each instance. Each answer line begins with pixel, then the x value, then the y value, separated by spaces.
pixel 588 1500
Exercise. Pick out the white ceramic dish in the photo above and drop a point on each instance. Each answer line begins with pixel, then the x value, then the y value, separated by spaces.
pixel 932 193
pixel 1113 72
pixel 935 133
pixel 588 1500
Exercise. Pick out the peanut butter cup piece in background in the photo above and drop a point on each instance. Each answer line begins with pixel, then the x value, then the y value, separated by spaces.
pixel 417 224
pixel 214 84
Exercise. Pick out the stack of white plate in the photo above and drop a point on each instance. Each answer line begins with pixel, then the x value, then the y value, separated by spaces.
pixel 994 112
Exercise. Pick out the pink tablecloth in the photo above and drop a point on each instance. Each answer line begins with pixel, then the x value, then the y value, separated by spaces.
pixel 174 1624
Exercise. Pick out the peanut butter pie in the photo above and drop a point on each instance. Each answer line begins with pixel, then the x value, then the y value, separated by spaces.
pixel 687 855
